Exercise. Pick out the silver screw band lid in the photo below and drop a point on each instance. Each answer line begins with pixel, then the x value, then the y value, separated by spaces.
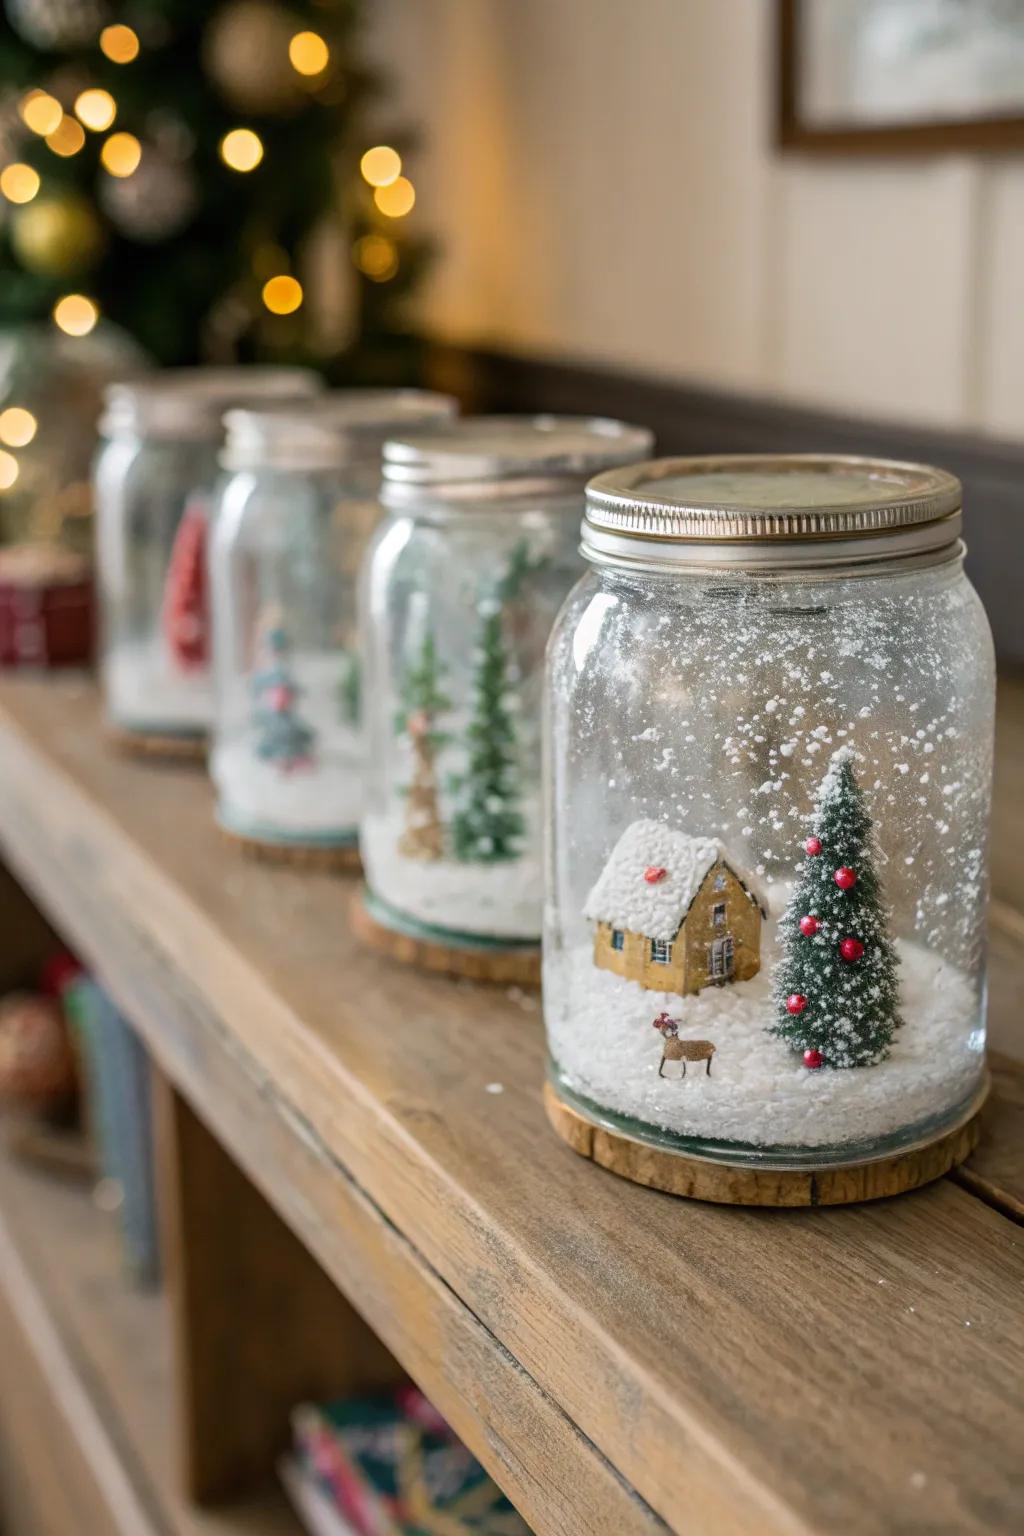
pixel 771 512
pixel 489 458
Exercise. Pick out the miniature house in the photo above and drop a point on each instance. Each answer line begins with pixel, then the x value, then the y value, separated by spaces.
pixel 672 914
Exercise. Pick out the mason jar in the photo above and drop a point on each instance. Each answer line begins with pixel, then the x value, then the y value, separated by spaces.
pixel 461 587
pixel 296 506
pixel 153 477
pixel 769 718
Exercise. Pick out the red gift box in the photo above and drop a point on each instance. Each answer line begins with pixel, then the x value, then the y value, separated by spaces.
pixel 46 607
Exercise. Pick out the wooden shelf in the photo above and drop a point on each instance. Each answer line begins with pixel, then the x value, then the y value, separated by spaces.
pixel 87 1397
pixel 622 1362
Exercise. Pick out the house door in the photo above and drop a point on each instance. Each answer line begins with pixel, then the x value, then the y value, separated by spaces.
pixel 721 958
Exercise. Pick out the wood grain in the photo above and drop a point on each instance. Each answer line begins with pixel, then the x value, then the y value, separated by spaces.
pixel 85 1412
pixel 995 1171
pixel 258 1326
pixel 699 1179
pixel 151 746
pixel 698 1351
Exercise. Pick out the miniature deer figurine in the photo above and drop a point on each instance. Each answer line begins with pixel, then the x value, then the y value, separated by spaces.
pixel 675 1049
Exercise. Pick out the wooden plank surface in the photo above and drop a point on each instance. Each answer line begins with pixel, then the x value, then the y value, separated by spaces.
pixel 745 1371
pixel 86 1406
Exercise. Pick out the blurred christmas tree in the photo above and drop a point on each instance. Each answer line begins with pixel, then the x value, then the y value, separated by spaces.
pixel 202 175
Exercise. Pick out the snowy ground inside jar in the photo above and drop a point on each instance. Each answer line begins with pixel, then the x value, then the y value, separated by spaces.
pixel 600 1035
pixel 320 798
pixel 145 690
pixel 503 900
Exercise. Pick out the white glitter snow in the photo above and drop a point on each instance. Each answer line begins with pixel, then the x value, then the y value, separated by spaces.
pixel 600 1034
pixel 503 900
pixel 145 689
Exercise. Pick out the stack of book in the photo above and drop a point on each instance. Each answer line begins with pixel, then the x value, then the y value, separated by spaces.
pixel 390 1466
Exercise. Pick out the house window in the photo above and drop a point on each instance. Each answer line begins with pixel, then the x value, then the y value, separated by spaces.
pixel 718 914
pixel 618 939
pixel 719 882
pixel 721 959
pixel 661 951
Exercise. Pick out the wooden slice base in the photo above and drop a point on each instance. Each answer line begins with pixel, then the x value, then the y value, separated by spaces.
pixel 151 745
pixel 701 1178
pixel 517 965
pixel 298 855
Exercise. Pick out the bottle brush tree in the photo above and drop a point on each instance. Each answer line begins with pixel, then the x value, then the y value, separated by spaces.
pixel 488 824
pixel 835 985
pixel 282 739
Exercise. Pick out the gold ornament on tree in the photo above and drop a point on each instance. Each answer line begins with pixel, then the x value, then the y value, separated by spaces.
pixel 245 51
pixel 56 236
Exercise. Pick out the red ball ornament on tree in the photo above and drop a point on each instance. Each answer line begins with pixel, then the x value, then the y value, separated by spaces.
pixel 813 845
pixel 796 1002
pixel 813 1059
pixel 851 949
pixel 845 878
pixel 809 926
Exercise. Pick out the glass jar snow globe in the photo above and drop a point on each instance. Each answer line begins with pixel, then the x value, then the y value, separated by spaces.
pixel 152 481
pixel 770 720
pixel 294 513
pixel 460 590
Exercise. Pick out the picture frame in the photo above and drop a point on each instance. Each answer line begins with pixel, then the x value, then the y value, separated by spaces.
pixel 899 76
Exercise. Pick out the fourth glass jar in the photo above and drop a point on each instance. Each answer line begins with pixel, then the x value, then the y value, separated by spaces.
pixel 770 710
pixel 460 590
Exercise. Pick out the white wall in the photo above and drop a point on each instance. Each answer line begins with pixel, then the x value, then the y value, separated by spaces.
pixel 601 176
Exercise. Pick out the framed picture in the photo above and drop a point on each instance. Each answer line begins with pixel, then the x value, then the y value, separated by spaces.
pixel 899 75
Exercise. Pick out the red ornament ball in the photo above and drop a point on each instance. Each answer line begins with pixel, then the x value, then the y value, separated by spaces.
pixel 809 926
pixel 813 1059
pixel 845 878
pixel 851 949
pixel 796 1002
pixel 813 845
pixel 654 873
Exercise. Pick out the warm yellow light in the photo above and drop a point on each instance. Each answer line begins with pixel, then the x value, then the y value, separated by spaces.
pixel 377 257
pixel 75 314
pixel 67 138
pixel 120 44
pixel 41 112
pixel 8 470
pixel 397 198
pixel 19 183
pixel 309 53
pixel 121 154
pixel 282 294
pixel 381 165
pixel 241 149
pixel 96 109
pixel 17 426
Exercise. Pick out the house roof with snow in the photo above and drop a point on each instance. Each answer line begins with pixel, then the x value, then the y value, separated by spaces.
pixel 626 899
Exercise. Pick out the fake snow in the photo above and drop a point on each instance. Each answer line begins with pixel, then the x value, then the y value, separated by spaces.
pixel 678 864
pixel 503 900
pixel 600 1034
pixel 147 691
pixel 321 799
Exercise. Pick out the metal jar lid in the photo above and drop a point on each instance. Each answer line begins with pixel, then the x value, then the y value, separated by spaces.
pixel 187 404
pixel 498 458
pixel 335 430
pixel 772 513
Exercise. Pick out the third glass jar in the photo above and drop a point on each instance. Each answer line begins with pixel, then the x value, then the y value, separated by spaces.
pixel 460 591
